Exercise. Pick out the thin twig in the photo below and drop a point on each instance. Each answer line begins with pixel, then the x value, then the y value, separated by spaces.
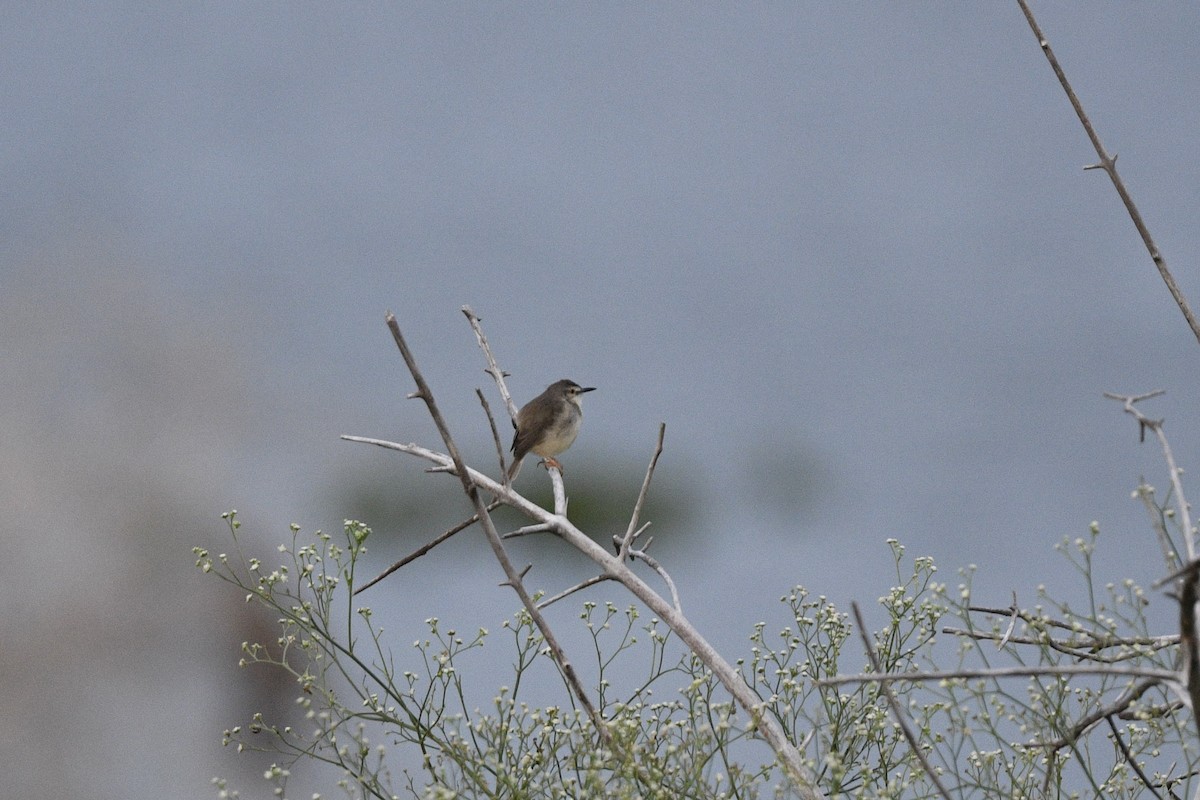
pixel 1109 165
pixel 627 540
pixel 1129 759
pixel 420 551
pixel 1075 649
pixel 1164 675
pixel 528 530
pixel 1184 508
pixel 1012 623
pixel 1145 493
pixel 493 368
pixel 662 573
pixel 577 587
pixel 897 710
pixel 618 538
pixel 495 433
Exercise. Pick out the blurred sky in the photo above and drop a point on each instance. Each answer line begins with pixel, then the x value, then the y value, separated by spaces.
pixel 846 252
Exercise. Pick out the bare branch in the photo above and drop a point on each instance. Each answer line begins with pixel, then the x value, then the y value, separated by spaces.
pixel 493 368
pixel 1012 623
pixel 897 709
pixel 1163 675
pixel 627 540
pixel 662 573
pixel 1129 759
pixel 1109 165
pixel 1184 508
pixel 1075 649
pixel 420 551
pixel 1130 696
pixel 495 433
pixel 577 587
pixel 527 530
pixel 560 491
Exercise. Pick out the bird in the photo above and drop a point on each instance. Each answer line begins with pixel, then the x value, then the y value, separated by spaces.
pixel 548 424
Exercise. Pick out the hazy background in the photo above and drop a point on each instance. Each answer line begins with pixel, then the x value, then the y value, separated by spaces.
pixel 846 252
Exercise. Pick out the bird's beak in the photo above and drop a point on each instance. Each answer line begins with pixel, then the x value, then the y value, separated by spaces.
pixel 588 389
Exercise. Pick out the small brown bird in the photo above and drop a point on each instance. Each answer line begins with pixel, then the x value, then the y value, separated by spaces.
pixel 548 424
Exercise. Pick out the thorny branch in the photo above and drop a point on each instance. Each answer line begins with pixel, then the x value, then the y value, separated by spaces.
pixel 1109 165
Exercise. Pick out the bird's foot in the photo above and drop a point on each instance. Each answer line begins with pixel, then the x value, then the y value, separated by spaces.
pixel 552 462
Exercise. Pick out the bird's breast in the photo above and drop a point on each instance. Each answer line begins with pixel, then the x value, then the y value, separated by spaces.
pixel 561 434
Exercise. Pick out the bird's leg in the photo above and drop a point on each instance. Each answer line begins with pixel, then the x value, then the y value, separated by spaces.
pixel 551 461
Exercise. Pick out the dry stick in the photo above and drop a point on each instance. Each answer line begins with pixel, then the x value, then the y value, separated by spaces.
pixel 662 573
pixel 495 433
pixel 1164 675
pixel 627 540
pixel 493 368
pixel 592 581
pixel 1156 427
pixel 420 551
pixel 897 709
pixel 1075 649
pixel 512 574
pixel 1109 165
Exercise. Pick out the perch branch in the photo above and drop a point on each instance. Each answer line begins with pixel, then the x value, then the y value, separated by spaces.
pixel 513 575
